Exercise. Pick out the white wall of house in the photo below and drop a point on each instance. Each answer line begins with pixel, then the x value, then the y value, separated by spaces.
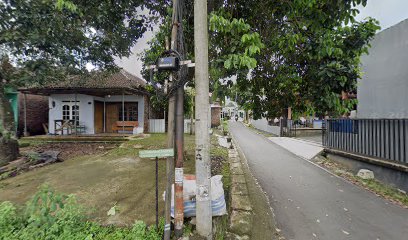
pixel 86 108
pixel 262 124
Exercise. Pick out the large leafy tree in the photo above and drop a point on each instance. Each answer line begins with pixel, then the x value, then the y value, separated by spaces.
pixel 44 40
pixel 233 47
pixel 312 54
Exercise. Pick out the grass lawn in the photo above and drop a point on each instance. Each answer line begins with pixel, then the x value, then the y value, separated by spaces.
pixel 100 181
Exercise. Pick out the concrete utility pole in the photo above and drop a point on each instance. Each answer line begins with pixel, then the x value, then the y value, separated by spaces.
pixel 203 163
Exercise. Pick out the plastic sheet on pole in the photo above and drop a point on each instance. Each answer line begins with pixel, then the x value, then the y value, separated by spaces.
pixel 218 205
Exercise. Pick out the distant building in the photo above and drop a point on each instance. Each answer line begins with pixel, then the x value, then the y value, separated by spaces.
pixel 35 115
pixel 215 114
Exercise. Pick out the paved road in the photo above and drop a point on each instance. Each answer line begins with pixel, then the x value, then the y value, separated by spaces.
pixel 310 203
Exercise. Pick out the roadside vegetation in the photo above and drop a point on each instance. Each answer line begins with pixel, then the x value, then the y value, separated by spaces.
pixel 49 215
pixel 380 189
pixel 219 156
pixel 111 177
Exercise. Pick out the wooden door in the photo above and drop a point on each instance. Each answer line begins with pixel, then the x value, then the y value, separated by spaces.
pixel 98 117
pixel 112 115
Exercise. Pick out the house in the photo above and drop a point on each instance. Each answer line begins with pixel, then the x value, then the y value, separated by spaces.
pixel 99 103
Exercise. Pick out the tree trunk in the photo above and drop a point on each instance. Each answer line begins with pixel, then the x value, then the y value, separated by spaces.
pixel 8 144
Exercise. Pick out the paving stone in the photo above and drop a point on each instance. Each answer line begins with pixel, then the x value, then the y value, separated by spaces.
pixel 236 165
pixel 235 160
pixel 239 188
pixel 237 171
pixel 238 179
pixel 241 222
pixel 232 236
pixel 240 202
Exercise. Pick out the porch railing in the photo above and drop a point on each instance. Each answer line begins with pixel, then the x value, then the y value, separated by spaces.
pixel 379 138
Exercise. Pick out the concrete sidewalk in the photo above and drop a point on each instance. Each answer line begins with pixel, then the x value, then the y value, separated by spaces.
pixel 301 148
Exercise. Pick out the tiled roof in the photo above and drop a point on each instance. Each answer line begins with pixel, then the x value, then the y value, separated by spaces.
pixel 101 80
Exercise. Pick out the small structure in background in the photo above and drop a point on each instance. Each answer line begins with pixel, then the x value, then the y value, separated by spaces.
pixel 231 109
pixel 30 112
pixel 215 114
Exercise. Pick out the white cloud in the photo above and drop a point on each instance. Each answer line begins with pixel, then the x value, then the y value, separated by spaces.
pixel 388 12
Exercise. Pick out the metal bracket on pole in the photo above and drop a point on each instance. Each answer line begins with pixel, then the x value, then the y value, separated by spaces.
pixel 185 62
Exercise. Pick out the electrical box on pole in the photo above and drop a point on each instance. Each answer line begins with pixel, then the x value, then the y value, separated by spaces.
pixel 168 63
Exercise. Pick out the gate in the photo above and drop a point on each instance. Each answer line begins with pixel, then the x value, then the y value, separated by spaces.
pixel 287 128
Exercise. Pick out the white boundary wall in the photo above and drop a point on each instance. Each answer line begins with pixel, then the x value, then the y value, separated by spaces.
pixel 262 124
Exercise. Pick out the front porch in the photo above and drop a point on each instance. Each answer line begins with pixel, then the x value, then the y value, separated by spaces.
pixel 78 114
pixel 98 137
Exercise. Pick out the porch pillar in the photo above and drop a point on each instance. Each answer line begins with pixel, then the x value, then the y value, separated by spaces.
pixel 25 115
pixel 104 114
pixel 123 112
pixel 75 115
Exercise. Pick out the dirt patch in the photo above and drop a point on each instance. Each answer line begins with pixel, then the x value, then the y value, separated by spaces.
pixel 38 156
pixel 217 163
pixel 102 178
pixel 71 150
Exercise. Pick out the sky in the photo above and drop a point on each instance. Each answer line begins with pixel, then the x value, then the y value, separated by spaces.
pixel 388 12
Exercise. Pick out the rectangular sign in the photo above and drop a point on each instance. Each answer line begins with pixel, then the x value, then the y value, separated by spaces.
pixel 178 175
pixel 160 153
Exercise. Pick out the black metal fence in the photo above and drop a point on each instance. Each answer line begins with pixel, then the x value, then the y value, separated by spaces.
pixel 379 138
pixel 287 128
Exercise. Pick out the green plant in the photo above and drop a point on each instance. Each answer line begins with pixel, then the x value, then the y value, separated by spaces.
pixel 32 157
pixel 50 215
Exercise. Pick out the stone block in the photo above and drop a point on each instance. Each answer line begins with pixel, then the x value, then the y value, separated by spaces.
pixel 238 179
pixel 239 189
pixel 234 160
pixel 232 236
pixel 235 165
pixel 365 174
pixel 240 202
pixel 241 222
pixel 237 171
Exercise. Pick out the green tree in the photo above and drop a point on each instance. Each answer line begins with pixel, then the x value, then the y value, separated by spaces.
pixel 45 40
pixel 312 54
pixel 233 47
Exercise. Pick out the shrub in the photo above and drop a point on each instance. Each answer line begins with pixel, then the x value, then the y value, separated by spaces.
pixel 49 215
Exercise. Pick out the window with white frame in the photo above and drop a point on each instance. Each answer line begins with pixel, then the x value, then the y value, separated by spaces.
pixel 66 112
pixel 70 110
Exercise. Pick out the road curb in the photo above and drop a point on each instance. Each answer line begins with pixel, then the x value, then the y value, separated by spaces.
pixel 241 219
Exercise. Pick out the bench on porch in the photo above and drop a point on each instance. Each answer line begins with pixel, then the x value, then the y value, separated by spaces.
pixel 125 125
